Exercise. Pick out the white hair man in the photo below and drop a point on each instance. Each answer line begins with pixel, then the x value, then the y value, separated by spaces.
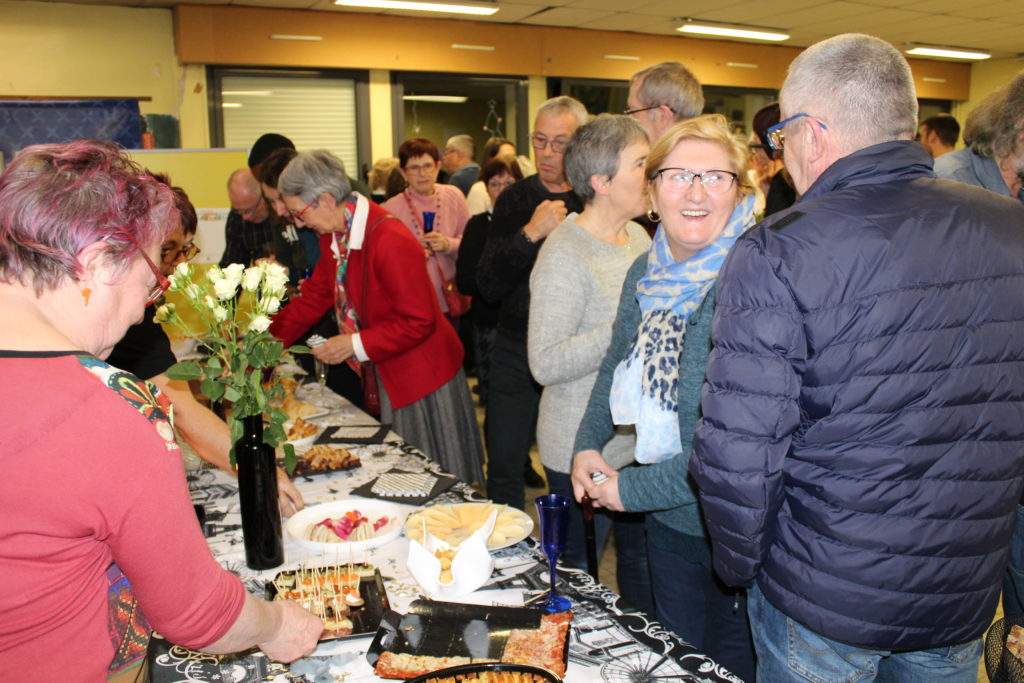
pixel 524 215
pixel 858 457
pixel 457 158
pixel 662 95
pixel 995 132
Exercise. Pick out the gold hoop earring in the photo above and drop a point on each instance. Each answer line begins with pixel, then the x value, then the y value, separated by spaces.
pixel 653 216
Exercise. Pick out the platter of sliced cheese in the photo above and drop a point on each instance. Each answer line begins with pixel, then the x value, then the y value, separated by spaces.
pixel 455 523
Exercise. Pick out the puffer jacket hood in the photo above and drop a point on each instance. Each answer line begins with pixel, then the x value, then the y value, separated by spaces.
pixel 861 451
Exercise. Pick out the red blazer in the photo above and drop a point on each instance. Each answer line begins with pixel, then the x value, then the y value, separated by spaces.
pixel 403 331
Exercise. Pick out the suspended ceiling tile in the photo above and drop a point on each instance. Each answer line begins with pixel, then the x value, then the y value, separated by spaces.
pixel 1000 11
pixel 288 4
pixel 565 16
pixel 621 21
pixel 674 8
pixel 890 3
pixel 610 6
pixel 837 13
pixel 756 13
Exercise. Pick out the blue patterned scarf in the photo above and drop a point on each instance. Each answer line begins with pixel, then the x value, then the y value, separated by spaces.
pixel 645 386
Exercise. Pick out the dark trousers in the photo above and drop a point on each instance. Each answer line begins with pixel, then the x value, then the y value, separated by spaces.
pixel 631 568
pixel 695 605
pixel 511 421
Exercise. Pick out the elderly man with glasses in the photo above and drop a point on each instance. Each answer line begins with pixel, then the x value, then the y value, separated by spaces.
pixel 661 96
pixel 524 215
pixel 859 455
pixel 249 231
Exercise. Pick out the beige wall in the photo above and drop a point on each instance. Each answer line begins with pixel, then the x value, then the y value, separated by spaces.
pixel 54 49
pixel 986 77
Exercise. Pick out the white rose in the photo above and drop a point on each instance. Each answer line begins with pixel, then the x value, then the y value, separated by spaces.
pixel 277 278
pixel 215 274
pixel 192 292
pixel 165 314
pixel 210 302
pixel 220 314
pixel 251 279
pixel 270 304
pixel 233 273
pixel 225 289
pixel 259 323
pixel 181 276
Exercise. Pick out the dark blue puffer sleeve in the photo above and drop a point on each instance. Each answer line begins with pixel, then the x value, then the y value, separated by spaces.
pixel 750 410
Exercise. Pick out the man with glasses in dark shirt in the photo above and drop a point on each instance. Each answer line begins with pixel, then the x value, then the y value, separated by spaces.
pixel 524 215
pixel 249 231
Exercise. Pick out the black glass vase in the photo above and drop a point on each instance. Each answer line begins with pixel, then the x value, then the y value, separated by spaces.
pixel 257 489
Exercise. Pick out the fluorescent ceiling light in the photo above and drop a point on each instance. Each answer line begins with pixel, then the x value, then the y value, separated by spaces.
pixel 480 48
pixel 449 99
pixel 483 8
pixel 251 93
pixel 622 58
pixel 731 31
pixel 231 105
pixel 289 36
pixel 948 52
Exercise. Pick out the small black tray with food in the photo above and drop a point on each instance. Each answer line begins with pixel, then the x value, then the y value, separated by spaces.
pixel 323 459
pixel 349 598
pixel 436 635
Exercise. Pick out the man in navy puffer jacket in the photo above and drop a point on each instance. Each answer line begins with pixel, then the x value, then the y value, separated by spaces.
pixel 861 450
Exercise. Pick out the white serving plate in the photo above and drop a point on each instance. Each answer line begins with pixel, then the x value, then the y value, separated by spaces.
pixel 372 509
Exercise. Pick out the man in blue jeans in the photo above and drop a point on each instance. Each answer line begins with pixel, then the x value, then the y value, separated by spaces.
pixel 861 450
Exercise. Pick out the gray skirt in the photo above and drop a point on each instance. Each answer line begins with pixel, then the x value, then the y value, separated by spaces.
pixel 443 426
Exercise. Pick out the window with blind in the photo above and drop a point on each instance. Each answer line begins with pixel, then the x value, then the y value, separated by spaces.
pixel 316 110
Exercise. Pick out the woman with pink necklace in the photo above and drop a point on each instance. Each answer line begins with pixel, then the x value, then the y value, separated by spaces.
pixel 436 214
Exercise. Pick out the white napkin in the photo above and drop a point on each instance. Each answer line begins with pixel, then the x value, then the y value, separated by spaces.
pixel 471 567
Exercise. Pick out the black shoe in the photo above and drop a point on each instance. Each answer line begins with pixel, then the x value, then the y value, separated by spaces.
pixel 532 478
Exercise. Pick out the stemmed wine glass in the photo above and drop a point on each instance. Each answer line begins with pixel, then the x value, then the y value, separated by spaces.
pixel 321 375
pixel 553 511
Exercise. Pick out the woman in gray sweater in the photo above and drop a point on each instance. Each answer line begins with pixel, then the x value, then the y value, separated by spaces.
pixel 574 287
pixel 652 375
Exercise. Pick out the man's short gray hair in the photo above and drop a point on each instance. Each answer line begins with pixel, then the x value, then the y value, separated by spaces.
pixel 994 127
pixel 594 150
pixel 859 86
pixel 671 84
pixel 310 174
pixel 464 144
pixel 565 104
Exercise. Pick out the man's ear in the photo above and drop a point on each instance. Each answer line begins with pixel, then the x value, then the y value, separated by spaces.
pixel 817 140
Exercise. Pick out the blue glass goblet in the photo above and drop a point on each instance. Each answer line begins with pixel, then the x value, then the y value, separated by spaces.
pixel 553 511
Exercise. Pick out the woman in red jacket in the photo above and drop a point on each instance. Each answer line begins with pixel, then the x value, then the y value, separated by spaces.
pixel 371 271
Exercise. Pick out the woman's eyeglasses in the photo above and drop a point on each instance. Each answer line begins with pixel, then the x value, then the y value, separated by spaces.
pixel 187 251
pixel 714 181
pixel 162 283
pixel 297 215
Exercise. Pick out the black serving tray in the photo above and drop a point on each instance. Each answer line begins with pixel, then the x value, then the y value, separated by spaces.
pixel 365 619
pixel 450 629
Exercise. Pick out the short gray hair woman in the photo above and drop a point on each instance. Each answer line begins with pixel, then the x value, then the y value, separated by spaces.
pixel 574 291
pixel 372 273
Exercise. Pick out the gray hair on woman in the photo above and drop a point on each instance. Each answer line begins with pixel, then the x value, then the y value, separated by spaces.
pixel 311 174
pixel 858 85
pixel 594 150
pixel 566 104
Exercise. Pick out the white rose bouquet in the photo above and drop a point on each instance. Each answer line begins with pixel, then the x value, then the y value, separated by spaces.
pixel 239 351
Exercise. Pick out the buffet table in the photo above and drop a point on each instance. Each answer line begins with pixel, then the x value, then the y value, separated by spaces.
pixel 608 641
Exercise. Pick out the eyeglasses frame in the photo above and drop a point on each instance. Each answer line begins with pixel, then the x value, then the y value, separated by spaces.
pixel 735 177
pixel 775 131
